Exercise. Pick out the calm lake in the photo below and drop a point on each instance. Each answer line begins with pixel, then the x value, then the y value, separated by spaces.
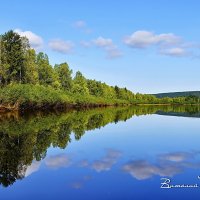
pixel 101 154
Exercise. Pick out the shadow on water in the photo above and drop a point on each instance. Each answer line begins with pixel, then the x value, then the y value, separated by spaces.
pixel 24 138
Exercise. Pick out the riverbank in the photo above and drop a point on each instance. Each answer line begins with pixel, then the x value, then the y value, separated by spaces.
pixel 20 97
pixel 46 106
pixel 30 97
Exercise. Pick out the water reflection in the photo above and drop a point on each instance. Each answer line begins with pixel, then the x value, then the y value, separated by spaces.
pixel 106 163
pixel 24 141
pixel 166 165
pixel 57 161
pixel 34 167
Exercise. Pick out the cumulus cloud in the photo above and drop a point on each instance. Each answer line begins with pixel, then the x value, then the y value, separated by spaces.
pixel 35 40
pixel 176 51
pixel 61 46
pixel 167 44
pixel 58 161
pixel 106 162
pixel 103 42
pixel 107 44
pixel 144 39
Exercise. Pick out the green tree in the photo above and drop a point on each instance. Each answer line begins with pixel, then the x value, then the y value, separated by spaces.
pixel 13 48
pixel 117 91
pixel 109 91
pixel 46 73
pixel 80 84
pixel 64 74
pixel 31 71
pixel 95 88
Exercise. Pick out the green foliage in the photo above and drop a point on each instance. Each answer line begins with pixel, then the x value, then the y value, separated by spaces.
pixel 31 70
pixel 12 57
pixel 95 88
pixel 46 73
pixel 32 95
pixel 80 84
pixel 64 75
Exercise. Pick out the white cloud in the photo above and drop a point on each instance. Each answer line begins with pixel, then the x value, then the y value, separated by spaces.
pixel 168 39
pixel 35 40
pixel 61 46
pixel 103 42
pixel 177 51
pixel 167 44
pixel 57 161
pixel 144 39
pixel 107 44
pixel 80 24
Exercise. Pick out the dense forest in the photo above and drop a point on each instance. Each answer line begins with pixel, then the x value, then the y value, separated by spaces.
pixel 28 80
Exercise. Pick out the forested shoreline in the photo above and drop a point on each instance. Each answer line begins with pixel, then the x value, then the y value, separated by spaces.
pixel 29 81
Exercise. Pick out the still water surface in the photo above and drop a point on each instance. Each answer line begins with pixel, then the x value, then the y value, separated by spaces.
pixel 111 153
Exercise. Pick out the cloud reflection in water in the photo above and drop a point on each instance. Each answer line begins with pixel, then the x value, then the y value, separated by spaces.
pixel 168 164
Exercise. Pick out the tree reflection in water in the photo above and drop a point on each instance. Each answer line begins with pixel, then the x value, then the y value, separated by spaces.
pixel 27 138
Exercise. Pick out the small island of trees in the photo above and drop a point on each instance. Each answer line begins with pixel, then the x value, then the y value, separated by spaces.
pixel 28 80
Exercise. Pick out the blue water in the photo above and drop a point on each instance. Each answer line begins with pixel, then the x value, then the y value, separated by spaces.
pixel 121 161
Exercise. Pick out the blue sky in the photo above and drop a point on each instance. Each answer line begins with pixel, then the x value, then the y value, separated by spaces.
pixel 146 46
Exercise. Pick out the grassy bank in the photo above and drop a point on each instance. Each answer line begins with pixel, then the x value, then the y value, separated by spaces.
pixel 27 96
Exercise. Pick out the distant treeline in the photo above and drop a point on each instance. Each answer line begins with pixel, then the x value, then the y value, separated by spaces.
pixel 28 80
pixel 178 94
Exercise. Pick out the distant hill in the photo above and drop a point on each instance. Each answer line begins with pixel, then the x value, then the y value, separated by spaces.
pixel 178 94
pixel 179 114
